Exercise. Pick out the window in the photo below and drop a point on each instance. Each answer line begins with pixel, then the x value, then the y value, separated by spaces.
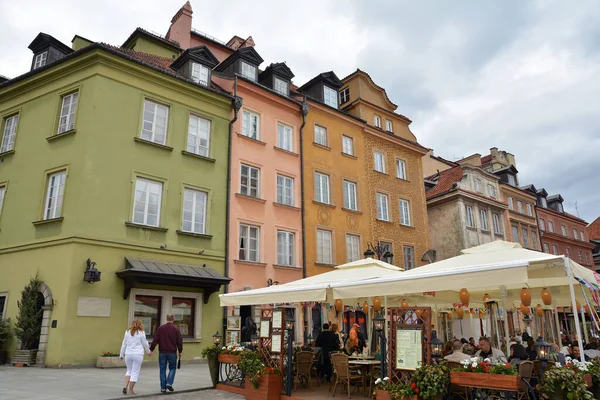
pixel 542 225
pixel 344 95
pixel 377 121
pixel 559 208
pixel 478 186
pixel 285 190
pixel 248 71
pixel 525 237
pixel 511 204
pixel 409 257
pixel 512 180
pixel 2 193
pixel 575 234
pixel 347 145
pixel 198 136
pixel 54 195
pixel 491 191
pixel 534 242
pixel 322 188
pixel 352 248
pixel 330 97
pixel 520 206
pixel 470 220
pixel 404 213
pixel 581 236
pixel 379 161
pixel 147 202
pixel 249 243
pixel 200 74
pixel 388 126
pixel 320 135
pixel 249 184
pixel 280 86
pixel 350 195
pixel 563 230
pixel 148 310
pixel 529 210
pixel 550 226
pixel 154 128
pixel 546 250
pixel 285 248
pixel 40 60
pixel 544 202
pixel 250 124
pixel 580 256
pixel 183 311
pixel 483 220
pixel 587 258
pixel 401 169
pixel 554 249
pixel 382 207
pixel 497 226
pixel 10 131
pixel 388 249
pixel 568 252
pixel 66 122
pixel 194 211
pixel 324 247
pixel 285 140
pixel 515 233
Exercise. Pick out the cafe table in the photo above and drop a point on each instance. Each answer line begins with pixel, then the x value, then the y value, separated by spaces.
pixel 364 365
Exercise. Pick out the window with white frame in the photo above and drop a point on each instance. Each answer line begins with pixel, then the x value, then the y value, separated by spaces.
pixel 546 250
pixel 320 135
pixel 563 230
pixel 478 186
pixel 542 224
pixel 575 234
pixel 285 248
pixel 529 210
pixel 512 181
pixel 515 234
pixel 555 249
pixel 147 202
pixel 68 108
pixel 40 60
pixel 388 126
pixel 322 188
pixel 401 169
pixel 350 201
pixel 581 236
pixel 525 233
pixel 280 86
pixel 404 213
pixel 497 224
pixel 54 195
pixel 248 71
pixel 379 160
pixel 551 226
pixel 249 243
pixel 250 181
pixel 344 95
pixel 251 124
pixel 520 206
pixel 3 303
pixel 285 190
pixel 568 252
pixel 285 139
pixel 200 74
pixel 324 247
pixel 9 133
pixel 587 258
pixel 469 215
pixel 534 241
pixel 347 145
pixel 377 121
pixel 352 248
pixel 199 136
pixel 2 193
pixel 544 202
pixel 194 211
pixel 580 255
pixel 483 220
pixel 409 257
pixel 155 124
pixel 511 204
pixel 491 191
pixel 389 248
pixel 382 207
pixel 330 97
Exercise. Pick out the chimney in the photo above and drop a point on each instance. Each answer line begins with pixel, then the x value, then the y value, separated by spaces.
pixel 181 26
pixel 248 42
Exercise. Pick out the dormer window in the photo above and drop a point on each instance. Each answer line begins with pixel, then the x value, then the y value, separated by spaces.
pixel 559 208
pixel 248 71
pixel 544 202
pixel 40 60
pixel 280 86
pixel 330 97
pixel 200 74
pixel 345 95
pixel 512 181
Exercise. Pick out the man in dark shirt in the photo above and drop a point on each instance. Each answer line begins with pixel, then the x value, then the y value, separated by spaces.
pixel 326 341
pixel 169 341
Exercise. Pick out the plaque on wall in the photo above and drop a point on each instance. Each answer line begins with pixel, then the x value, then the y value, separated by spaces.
pixel 409 348
pixel 276 344
pixel 93 306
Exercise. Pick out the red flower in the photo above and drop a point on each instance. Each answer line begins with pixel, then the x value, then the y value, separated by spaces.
pixel 271 370
pixel 487 369
pixel 413 385
pixel 416 390
pixel 472 367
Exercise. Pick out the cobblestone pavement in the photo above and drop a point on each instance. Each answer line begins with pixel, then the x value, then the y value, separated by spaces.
pixel 200 395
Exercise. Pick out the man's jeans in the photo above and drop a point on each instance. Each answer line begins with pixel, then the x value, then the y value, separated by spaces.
pixel 163 359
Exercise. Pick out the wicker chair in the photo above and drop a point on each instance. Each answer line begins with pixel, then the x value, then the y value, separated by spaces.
pixel 304 362
pixel 314 368
pixel 525 372
pixel 373 375
pixel 344 374
pixel 457 390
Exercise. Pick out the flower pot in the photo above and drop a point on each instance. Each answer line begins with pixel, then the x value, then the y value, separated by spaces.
pixel 269 388
pixel 109 362
pixel 213 368
pixel 486 381
pixel 24 357
pixel 229 359
pixel 382 395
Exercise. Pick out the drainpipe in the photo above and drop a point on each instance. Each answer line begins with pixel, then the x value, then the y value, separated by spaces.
pixel 303 112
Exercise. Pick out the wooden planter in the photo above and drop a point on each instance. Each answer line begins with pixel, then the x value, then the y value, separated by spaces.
pixel 385 395
pixel 229 359
pixel 22 358
pixel 269 388
pixel 486 381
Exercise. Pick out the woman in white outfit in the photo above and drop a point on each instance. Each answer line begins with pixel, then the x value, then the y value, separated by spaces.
pixel 133 348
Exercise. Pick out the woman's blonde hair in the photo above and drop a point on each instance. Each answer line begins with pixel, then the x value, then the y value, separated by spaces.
pixel 136 326
pixel 334 328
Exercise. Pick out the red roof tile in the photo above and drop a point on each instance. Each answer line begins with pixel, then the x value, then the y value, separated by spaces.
pixel 594 229
pixel 446 181
pixel 486 159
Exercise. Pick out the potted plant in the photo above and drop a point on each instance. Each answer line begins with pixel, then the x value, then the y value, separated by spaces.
pixel 580 367
pixel 384 390
pixel 109 360
pixel 594 370
pixel 4 336
pixel 564 383
pixel 29 323
pixel 211 353
pixel 432 381
pixel 498 377
pixel 230 354
pixel 261 382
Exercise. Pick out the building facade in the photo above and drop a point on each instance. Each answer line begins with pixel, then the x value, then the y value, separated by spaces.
pixel 594 237
pixel 117 160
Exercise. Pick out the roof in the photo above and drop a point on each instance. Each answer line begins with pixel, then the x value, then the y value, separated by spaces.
pixel 43 40
pixel 359 71
pixel 280 69
pixel 542 192
pixel 511 168
pixel 444 161
pixel 594 229
pixel 529 188
pixel 200 54
pixel 330 78
pixel 142 32
pixel 486 159
pixel 445 181
pixel 245 53
pixel 564 214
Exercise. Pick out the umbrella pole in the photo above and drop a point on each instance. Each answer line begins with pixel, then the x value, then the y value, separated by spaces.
pixel 505 313
pixel 385 314
pixel 556 320
pixel 574 305
pixel 584 325
pixel 369 324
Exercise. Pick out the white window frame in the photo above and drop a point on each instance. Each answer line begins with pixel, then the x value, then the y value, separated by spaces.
pixel 575 234
pixel 147 193
pixel 512 181
pixel 377 121
pixel 345 95
pixel 516 238
pixel 409 262
pixel 580 255
pixel 379 161
pixel 401 169
pixel 478 185
pixel 40 60
pixel 511 204
pixel 581 236
pixel 2 196
pixel 389 126
pixel 529 210
pixel 534 239
pixel 320 135
pixel 323 258
pixel 383 213
pixel 525 234
pixel 542 225
pixel 150 134
pixel 483 220
pixel 322 182
pixel 348 145
pixel 491 191
pixel 198 207
pixel 11 124
pixel 520 206
pixel 68 111
pixel 248 187
pixel 285 137
pixel 568 252
pixel 54 196
pixel 280 86
pixel 563 230
pixel 330 96
pixel 3 310
pixel 247 123
pixel 285 190
pixel 288 255
pixel 555 249
pixel 587 258
pixel 352 247
pixel 546 248
pixel 248 71
pixel 405 213
pixel 202 132
pixel 497 224
pixel 551 226
pixel 350 195
pixel 200 73
pixel 244 233
pixel 544 202
pixel 470 220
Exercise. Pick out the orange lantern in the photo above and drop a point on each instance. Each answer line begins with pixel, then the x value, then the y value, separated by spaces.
pixel 376 304
pixel 464 296
pixel 539 310
pixel 546 297
pixel 526 297
pixel 404 303
pixel 524 309
pixel 338 305
pixel 419 312
pixel 365 307
pixel 486 297
pixel 460 312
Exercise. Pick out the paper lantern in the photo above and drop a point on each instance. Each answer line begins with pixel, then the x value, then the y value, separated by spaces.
pixel 546 297
pixel 404 303
pixel 365 307
pixel 419 312
pixel 464 296
pixel 524 309
pixel 486 297
pixel 526 297
pixel 338 305
pixel 539 310
pixel 376 304
pixel 460 312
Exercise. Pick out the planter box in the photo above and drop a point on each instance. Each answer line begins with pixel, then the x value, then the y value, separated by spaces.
pixel 229 359
pixel 385 395
pixel 24 357
pixel 109 362
pixel 269 388
pixel 485 381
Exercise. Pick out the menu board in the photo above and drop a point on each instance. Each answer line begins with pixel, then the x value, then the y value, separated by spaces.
pixel 265 328
pixel 409 348
pixel 276 343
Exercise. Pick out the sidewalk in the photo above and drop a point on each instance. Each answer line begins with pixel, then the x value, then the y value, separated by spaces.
pixel 91 383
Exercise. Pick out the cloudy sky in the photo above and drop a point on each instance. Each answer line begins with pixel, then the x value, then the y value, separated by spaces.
pixel 523 76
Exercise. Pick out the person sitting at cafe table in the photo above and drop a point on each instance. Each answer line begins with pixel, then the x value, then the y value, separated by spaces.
pixel 518 354
pixel 362 343
pixel 352 343
pixel 457 353
pixel 488 352
pixel 555 354
pixel 575 353
pixel 473 344
pixel 592 350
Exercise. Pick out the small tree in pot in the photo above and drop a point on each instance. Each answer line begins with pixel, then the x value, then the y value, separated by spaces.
pixel 4 336
pixel 29 323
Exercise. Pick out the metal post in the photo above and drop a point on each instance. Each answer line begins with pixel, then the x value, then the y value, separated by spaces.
pixel 558 340
pixel 383 354
pixel 290 355
pixel 369 324
pixel 505 313
pixel 574 305
pixel 584 324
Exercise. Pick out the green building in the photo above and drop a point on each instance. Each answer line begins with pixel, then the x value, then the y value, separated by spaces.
pixel 115 160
